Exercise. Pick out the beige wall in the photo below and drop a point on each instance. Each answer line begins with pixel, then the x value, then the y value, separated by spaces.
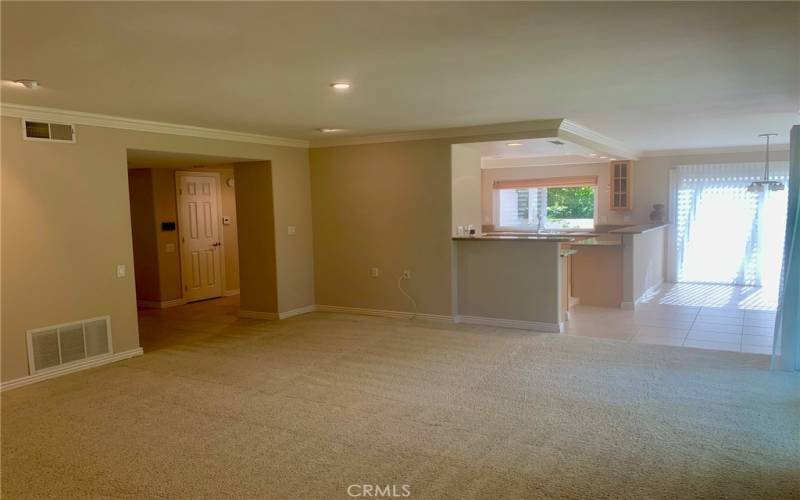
pixel 649 260
pixel 387 205
pixel 164 209
pixel 466 195
pixel 254 203
pixel 145 244
pixel 602 170
pixel 512 280
pixel 66 225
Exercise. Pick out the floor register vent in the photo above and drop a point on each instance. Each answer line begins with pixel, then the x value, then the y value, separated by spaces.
pixel 54 346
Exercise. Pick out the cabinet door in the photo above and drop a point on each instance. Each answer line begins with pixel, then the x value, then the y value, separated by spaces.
pixel 621 198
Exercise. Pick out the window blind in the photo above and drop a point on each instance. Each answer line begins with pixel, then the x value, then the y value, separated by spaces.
pixel 547 182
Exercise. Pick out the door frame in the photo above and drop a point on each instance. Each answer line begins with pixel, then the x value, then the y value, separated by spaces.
pixel 178 175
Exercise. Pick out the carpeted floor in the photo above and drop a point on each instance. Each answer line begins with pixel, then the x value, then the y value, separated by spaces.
pixel 303 408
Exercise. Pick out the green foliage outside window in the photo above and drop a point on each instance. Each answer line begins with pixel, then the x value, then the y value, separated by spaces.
pixel 570 203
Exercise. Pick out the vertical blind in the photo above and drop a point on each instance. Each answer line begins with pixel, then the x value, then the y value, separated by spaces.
pixel 722 232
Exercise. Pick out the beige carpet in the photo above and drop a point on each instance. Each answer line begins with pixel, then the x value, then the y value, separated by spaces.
pixel 226 408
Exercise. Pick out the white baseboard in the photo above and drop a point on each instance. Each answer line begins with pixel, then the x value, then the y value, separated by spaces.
pixel 70 368
pixel 258 315
pixel 297 312
pixel 154 304
pixel 628 306
pixel 511 323
pixel 228 293
pixel 382 312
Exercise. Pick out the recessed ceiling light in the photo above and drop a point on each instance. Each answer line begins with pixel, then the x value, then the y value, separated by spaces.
pixel 28 84
pixel 604 157
pixel 514 144
pixel 613 159
pixel 593 155
pixel 340 85
pixel 328 130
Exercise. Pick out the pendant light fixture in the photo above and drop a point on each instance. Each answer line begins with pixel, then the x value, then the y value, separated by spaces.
pixel 758 186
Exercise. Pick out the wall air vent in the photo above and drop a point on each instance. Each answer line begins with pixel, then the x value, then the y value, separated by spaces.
pixel 53 346
pixel 43 131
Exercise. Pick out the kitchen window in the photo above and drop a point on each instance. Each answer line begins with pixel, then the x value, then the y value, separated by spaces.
pixel 565 204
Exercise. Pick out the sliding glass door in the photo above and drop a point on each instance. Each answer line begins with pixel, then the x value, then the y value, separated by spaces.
pixel 724 233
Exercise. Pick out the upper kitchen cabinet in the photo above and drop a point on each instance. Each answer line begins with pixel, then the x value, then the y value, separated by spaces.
pixel 621 195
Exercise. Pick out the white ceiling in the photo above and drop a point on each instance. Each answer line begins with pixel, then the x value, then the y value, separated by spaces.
pixel 654 75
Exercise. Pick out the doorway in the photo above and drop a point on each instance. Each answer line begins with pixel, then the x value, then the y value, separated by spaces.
pixel 725 233
pixel 184 229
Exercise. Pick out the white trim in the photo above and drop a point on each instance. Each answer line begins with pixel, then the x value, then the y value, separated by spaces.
pixel 511 323
pixel 154 304
pixel 97 120
pixel 258 315
pixel 70 368
pixel 297 312
pixel 228 293
pixel 628 306
pixel 382 312
pixel 710 151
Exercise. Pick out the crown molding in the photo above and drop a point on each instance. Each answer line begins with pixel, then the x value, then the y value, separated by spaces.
pixel 516 130
pixel 96 120
pixel 758 148
pixel 577 133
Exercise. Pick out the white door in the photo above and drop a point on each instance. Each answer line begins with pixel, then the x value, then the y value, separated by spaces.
pixel 198 222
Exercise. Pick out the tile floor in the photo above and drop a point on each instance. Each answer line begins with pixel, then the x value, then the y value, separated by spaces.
pixel 719 317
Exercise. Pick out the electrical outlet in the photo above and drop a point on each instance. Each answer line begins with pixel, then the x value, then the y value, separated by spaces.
pixel 291 230
pixel 406 274
pixel 374 272
pixel 121 270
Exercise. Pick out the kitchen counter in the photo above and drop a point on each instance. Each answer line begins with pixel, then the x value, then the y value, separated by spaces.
pixel 596 242
pixel 556 239
pixel 640 229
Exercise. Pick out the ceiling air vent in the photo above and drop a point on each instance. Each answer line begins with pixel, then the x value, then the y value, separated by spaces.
pixel 44 131
pixel 54 346
pixel 556 142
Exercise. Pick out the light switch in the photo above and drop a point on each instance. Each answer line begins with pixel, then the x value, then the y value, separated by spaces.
pixel 120 270
pixel 292 230
pixel 169 248
pixel 373 272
